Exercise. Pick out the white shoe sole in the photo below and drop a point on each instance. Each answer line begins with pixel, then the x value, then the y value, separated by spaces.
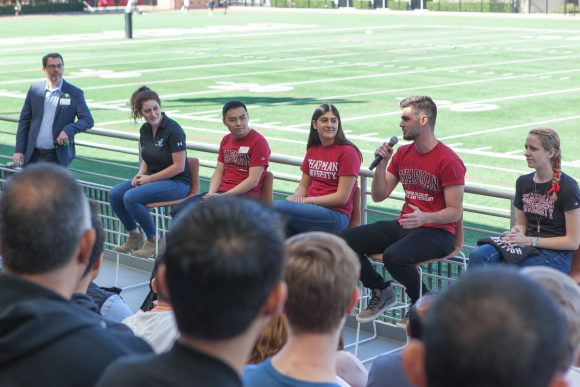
pixel 381 311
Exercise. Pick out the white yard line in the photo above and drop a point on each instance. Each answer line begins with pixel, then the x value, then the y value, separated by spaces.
pixel 445 85
pixel 481 166
pixel 504 156
pixel 524 125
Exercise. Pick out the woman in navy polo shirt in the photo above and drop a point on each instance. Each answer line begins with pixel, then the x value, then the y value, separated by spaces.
pixel 163 174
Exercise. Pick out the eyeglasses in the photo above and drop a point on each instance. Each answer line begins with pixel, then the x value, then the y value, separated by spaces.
pixel 56 66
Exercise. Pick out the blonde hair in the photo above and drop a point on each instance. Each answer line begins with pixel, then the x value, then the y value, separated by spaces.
pixel 550 140
pixel 566 293
pixel 322 273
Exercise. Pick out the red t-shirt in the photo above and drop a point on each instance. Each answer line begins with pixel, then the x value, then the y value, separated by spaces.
pixel 239 156
pixel 425 175
pixel 325 164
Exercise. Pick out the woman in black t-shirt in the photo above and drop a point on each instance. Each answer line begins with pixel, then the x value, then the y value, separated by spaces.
pixel 163 173
pixel 547 205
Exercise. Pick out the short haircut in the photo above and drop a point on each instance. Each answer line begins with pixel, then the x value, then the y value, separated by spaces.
pixel 99 245
pixel 224 257
pixel 51 55
pixel 233 105
pixel 43 215
pixel 322 272
pixel 421 104
pixel 494 327
pixel 566 293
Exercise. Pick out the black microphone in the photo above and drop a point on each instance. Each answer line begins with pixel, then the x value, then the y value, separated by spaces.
pixel 392 141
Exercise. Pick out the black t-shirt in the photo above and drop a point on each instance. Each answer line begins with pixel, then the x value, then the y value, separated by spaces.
pixel 181 366
pixel 532 199
pixel 156 152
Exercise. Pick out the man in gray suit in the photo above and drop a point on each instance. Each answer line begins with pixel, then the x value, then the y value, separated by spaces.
pixel 47 123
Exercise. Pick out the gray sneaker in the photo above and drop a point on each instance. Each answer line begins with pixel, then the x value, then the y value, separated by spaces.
pixel 381 300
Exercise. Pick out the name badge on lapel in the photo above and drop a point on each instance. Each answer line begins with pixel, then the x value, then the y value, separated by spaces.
pixel 64 101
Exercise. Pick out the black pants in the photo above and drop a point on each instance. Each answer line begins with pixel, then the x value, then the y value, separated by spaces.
pixel 45 155
pixel 402 250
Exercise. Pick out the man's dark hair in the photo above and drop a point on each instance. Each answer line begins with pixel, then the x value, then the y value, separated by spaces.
pixel 51 55
pixel 494 327
pixel 223 257
pixel 99 242
pixel 43 214
pixel 233 105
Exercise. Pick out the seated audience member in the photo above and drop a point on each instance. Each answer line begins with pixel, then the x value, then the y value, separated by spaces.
pixel 242 159
pixel 163 174
pixel 348 367
pixel 88 294
pixel 322 275
pixel 157 326
pixel 547 205
pixel 47 238
pixel 567 295
pixel 493 327
pixel 387 369
pixel 324 198
pixel 223 269
pixel 271 340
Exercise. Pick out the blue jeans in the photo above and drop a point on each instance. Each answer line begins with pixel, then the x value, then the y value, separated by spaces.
pixel 300 217
pixel 128 202
pixel 556 259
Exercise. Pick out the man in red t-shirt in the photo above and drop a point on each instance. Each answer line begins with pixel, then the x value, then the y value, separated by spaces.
pixel 242 159
pixel 433 177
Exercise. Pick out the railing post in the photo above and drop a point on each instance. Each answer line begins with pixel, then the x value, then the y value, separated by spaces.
pixel 363 199
pixel 512 215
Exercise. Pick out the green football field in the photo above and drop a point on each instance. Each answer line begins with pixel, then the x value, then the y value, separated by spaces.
pixel 493 77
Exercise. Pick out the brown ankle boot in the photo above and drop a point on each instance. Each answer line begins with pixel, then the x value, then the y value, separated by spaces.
pixel 148 249
pixel 134 241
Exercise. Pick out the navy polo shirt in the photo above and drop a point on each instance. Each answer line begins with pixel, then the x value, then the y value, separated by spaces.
pixel 156 152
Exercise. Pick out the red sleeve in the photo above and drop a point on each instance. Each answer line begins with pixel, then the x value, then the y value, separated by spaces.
pixel 453 171
pixel 304 168
pixel 220 151
pixel 260 153
pixel 349 162
pixel 393 167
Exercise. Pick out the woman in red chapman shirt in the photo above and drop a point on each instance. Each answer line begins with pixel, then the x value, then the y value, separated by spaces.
pixel 324 198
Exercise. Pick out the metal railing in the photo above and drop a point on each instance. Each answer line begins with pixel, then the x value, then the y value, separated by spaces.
pixel 436 274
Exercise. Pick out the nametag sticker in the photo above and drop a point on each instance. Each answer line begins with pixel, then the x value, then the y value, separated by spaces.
pixel 64 101
pixel 244 149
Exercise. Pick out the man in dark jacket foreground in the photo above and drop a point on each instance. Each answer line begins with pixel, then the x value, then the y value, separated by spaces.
pixel 46 238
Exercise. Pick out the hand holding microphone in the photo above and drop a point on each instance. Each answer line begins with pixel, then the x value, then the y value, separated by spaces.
pixel 392 141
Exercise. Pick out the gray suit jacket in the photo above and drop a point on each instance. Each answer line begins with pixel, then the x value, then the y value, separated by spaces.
pixel 71 105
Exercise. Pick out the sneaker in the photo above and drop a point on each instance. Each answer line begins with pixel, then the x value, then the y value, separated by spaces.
pixel 134 242
pixel 381 300
pixel 148 249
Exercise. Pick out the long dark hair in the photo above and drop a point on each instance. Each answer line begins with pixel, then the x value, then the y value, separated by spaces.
pixel 314 139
